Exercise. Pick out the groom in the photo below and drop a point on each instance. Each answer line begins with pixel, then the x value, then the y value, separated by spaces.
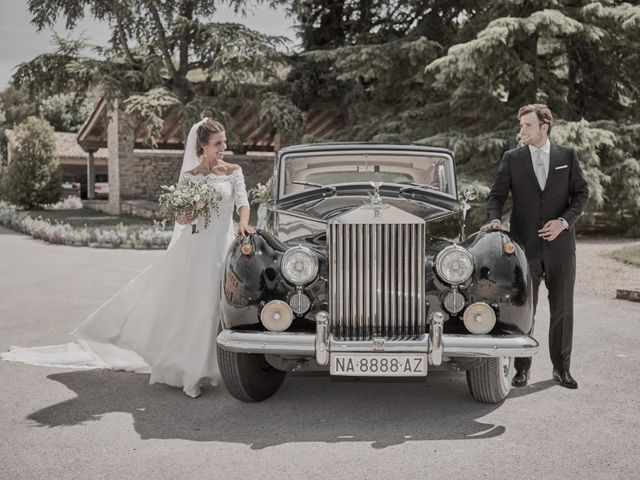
pixel 549 193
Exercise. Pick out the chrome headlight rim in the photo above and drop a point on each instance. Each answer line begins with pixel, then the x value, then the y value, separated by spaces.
pixel 442 255
pixel 310 257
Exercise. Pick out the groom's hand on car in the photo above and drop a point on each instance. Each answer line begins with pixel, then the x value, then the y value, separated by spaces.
pixel 492 225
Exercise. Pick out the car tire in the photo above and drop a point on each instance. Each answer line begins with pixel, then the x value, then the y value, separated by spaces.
pixel 490 382
pixel 248 376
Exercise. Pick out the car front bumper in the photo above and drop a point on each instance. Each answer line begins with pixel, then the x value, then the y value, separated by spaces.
pixel 437 345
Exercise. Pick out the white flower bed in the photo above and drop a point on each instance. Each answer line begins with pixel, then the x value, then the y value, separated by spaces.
pixel 69 203
pixel 58 232
pixel 153 237
pixel 156 237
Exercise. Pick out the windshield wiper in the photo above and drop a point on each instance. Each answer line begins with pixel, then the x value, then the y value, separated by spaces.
pixel 411 184
pixel 310 184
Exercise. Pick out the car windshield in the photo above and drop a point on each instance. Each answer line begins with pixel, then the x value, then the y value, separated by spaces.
pixel 431 170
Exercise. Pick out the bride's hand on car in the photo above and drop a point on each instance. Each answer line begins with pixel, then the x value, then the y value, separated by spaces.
pixel 245 229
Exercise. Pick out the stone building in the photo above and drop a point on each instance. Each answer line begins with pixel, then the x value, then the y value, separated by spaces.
pixel 136 173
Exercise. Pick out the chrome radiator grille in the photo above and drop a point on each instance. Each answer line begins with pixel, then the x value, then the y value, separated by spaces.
pixel 376 280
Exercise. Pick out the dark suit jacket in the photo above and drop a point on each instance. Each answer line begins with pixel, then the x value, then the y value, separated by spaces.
pixel 565 195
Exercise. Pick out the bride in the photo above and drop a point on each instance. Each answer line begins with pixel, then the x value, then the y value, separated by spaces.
pixel 165 321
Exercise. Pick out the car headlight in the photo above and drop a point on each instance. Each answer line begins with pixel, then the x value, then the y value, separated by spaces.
pixel 299 265
pixel 454 264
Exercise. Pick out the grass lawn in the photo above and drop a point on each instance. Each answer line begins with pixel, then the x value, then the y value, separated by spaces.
pixel 95 219
pixel 630 255
pixel 90 218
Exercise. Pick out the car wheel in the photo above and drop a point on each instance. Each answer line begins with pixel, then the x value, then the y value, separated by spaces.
pixel 490 382
pixel 248 376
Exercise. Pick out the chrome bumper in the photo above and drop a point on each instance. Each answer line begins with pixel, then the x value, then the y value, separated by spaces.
pixel 319 346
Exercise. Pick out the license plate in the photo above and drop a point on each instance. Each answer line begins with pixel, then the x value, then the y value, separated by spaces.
pixel 379 364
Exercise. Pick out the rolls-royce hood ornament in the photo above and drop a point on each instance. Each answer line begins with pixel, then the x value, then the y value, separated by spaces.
pixel 376 199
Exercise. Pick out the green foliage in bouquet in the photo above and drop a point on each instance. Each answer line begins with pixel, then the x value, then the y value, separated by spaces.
pixel 195 196
pixel 33 177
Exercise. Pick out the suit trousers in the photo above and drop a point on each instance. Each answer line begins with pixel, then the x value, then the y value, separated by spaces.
pixel 559 277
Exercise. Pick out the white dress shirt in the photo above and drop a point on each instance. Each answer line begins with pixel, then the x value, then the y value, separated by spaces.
pixel 544 154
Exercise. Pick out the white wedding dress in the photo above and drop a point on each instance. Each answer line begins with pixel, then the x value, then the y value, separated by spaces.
pixel 165 321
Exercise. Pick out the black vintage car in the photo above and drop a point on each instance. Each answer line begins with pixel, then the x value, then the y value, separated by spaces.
pixel 361 267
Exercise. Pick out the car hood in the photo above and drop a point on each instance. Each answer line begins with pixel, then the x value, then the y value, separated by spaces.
pixel 327 208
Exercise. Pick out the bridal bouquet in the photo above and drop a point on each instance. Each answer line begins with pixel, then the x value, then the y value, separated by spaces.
pixel 194 196
pixel 261 193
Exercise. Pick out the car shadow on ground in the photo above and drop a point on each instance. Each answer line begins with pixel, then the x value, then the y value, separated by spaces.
pixel 309 407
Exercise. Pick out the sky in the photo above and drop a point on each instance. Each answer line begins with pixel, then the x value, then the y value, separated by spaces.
pixel 20 42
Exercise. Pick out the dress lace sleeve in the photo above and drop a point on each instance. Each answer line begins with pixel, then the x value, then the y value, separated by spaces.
pixel 239 189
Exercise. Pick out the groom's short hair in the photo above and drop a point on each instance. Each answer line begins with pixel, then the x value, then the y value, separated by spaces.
pixel 542 112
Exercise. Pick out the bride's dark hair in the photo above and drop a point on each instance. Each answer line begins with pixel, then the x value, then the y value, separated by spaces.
pixel 207 128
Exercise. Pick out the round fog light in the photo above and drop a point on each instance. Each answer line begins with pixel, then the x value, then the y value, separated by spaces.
pixel 479 318
pixel 276 316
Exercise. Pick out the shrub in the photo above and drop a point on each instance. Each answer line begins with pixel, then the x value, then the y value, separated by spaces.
pixel 33 177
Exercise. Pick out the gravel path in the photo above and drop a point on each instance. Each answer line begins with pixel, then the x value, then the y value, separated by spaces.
pixel 597 273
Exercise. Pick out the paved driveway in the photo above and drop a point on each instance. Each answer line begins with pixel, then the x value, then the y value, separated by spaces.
pixel 92 424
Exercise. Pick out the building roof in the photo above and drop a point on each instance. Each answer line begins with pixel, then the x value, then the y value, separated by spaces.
pixel 245 128
pixel 66 145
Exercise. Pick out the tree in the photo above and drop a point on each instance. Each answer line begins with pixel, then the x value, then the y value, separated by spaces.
pixel 162 55
pixel 454 74
pixel 369 57
pixel 580 58
pixel 16 105
pixel 66 112
pixel 33 177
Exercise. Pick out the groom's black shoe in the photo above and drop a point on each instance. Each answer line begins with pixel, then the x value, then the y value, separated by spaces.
pixel 564 377
pixel 520 379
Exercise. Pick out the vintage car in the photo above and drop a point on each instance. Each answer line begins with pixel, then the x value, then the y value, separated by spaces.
pixel 362 268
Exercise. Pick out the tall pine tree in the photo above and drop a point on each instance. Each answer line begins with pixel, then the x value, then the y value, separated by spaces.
pixel 455 73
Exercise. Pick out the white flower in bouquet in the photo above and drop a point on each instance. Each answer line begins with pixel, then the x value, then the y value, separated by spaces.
pixel 191 196
pixel 261 193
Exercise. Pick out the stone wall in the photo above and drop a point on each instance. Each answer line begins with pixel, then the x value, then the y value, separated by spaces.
pixel 144 173
pixel 142 176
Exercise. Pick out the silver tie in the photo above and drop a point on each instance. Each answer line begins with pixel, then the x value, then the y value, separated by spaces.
pixel 541 174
